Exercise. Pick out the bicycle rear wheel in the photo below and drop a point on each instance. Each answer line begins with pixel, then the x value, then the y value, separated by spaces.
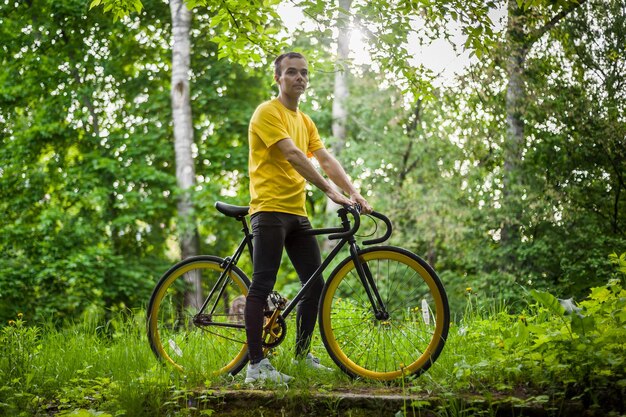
pixel 405 343
pixel 195 317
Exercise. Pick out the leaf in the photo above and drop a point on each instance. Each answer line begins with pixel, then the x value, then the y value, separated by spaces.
pixel 548 301
pixel 582 325
pixel 138 5
pixel 95 3
pixel 600 294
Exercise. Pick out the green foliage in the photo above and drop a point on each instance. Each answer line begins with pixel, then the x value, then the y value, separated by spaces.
pixel 620 264
pixel 553 353
pixel 82 370
pixel 84 190
pixel 87 188
pixel 21 344
pixel 243 31
pixel 246 31
pixel 527 4
pixel 87 185
pixel 589 338
pixel 119 9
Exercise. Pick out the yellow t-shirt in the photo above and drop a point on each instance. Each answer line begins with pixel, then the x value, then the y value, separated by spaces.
pixel 274 184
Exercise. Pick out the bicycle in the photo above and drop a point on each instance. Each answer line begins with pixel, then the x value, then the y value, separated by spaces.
pixel 383 311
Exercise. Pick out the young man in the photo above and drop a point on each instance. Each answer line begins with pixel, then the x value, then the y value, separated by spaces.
pixel 281 139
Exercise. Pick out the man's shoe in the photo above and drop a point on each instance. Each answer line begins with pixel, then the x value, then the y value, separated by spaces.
pixel 264 371
pixel 314 363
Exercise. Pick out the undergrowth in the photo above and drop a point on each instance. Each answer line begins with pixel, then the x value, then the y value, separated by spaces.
pixel 554 351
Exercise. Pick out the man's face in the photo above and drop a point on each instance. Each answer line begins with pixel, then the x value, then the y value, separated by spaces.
pixel 294 76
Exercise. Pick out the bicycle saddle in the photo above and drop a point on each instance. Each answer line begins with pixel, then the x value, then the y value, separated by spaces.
pixel 238 212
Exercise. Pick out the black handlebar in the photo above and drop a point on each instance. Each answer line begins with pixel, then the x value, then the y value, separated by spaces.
pixel 357 223
pixel 387 234
pixel 342 213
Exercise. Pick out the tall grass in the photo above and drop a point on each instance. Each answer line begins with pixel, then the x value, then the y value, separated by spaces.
pixel 107 368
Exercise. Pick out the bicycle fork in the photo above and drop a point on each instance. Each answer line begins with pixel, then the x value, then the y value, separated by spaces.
pixel 367 280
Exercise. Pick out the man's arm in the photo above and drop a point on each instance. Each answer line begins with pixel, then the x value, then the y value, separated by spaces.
pixel 304 167
pixel 338 175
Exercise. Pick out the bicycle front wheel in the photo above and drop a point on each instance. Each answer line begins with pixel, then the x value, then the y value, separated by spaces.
pixel 404 342
pixel 195 317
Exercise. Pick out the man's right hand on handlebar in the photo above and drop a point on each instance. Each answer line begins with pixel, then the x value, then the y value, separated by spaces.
pixel 361 203
pixel 356 200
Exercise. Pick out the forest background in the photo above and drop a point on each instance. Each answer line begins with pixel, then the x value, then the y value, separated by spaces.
pixel 510 178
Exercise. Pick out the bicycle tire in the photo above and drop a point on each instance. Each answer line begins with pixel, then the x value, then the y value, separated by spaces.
pixel 409 341
pixel 204 345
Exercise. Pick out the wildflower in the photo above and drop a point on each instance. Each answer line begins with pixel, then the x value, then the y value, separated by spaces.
pixel 468 289
pixel 20 315
pixel 11 322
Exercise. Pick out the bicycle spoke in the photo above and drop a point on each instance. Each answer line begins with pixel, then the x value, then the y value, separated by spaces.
pixel 224 337
pixel 418 347
pixel 398 345
pixel 188 338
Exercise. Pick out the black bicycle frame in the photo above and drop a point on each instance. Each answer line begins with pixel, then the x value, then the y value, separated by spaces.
pixel 346 236
pixel 227 264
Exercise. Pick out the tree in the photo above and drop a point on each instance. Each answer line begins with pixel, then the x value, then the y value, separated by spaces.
pixel 525 26
pixel 472 161
pixel 340 96
pixel 84 193
pixel 87 179
pixel 183 140
pixel 576 160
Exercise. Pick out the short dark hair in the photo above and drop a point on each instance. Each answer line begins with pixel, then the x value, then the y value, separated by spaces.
pixel 280 58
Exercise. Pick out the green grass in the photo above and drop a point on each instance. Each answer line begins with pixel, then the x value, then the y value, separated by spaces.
pixel 542 355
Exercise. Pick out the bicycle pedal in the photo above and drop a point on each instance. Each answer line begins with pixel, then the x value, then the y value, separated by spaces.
pixel 276 301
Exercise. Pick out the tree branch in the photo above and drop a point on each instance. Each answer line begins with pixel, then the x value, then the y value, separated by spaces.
pixel 412 127
pixel 539 32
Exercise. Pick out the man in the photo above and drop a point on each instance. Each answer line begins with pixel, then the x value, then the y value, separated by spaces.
pixel 281 138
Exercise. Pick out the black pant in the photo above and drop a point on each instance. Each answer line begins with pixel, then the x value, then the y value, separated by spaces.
pixel 272 232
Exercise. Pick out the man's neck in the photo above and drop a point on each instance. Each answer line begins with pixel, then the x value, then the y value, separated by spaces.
pixel 290 102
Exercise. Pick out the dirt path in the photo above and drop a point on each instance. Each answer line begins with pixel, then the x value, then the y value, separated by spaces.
pixel 378 402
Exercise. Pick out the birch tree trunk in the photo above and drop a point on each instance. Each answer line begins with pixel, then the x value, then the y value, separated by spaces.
pixel 519 39
pixel 341 92
pixel 515 102
pixel 183 139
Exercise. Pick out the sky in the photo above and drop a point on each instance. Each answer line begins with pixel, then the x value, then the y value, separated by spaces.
pixel 439 56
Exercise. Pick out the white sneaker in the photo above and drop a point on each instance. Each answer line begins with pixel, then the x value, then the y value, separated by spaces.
pixel 264 371
pixel 314 363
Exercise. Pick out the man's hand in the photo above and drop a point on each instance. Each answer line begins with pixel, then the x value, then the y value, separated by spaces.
pixel 358 199
pixel 355 199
